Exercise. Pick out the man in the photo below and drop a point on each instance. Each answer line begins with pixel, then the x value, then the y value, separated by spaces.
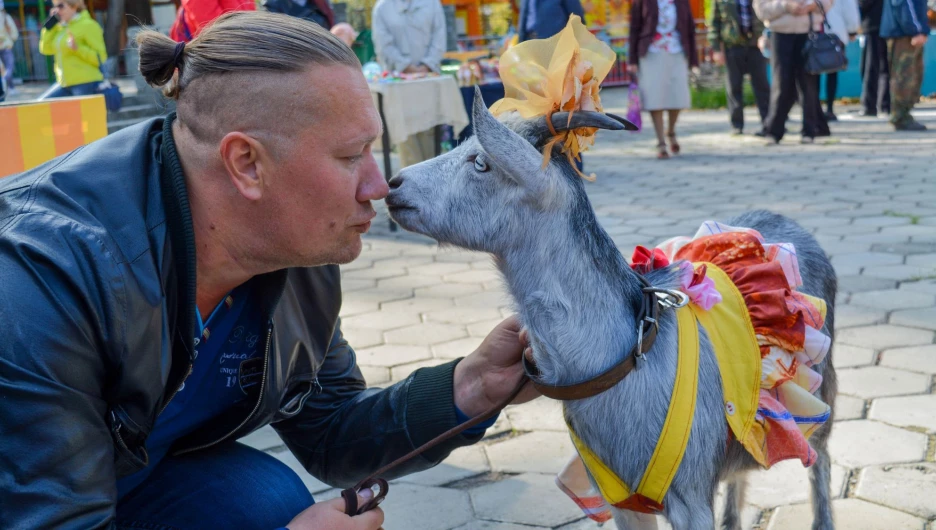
pixel 905 26
pixel 169 289
pixel 875 74
pixel 8 36
pixel 541 19
pixel 193 15
pixel 409 37
pixel 733 33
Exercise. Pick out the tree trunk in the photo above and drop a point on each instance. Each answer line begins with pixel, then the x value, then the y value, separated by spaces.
pixel 114 27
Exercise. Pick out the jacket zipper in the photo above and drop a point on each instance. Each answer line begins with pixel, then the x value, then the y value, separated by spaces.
pixel 176 391
pixel 266 363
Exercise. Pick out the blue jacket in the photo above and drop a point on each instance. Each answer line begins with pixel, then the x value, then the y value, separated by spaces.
pixel 551 17
pixel 904 18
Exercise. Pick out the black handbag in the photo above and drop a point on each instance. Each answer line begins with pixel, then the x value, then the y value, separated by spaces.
pixel 824 52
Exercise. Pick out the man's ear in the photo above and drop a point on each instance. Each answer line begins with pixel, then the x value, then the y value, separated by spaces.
pixel 241 155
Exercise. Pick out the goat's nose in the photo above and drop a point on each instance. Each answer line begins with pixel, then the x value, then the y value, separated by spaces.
pixel 396 181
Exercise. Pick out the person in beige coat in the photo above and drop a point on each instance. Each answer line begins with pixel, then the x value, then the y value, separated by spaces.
pixel 788 21
pixel 8 36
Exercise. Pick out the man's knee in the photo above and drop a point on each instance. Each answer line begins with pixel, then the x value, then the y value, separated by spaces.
pixel 274 487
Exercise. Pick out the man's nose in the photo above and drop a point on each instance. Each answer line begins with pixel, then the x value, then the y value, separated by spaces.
pixel 374 185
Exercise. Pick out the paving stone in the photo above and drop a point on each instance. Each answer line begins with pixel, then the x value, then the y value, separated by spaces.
pixel 849 316
pixel 910 488
pixel 863 443
pixel 409 506
pixel 922 286
pixel 362 337
pixel 905 248
pixel 263 438
pixel 534 500
pixel 909 411
pixel 484 299
pixel 851 514
pixel 876 381
pixel 463 315
pixel 399 373
pixel 417 305
pixel 541 414
pixel 923 260
pixel 314 484
pixel 382 320
pixel 884 336
pixel 479 524
pixel 892 299
pixel 376 272
pixel 410 281
pixel 916 318
pixel 848 408
pixel 537 452
pixel 355 306
pixel 787 482
pixel 857 284
pixel 472 276
pixel 914 359
pixel 426 334
pixel 392 355
pixel 448 290
pixel 867 259
pixel 462 463
pixel 848 356
pixel 881 221
pixel 375 375
pixel 438 269
pixel 349 285
pixel 903 273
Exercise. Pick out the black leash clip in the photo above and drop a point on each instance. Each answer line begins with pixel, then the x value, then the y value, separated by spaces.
pixel 350 496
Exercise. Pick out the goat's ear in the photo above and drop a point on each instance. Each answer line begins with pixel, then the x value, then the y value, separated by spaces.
pixel 508 150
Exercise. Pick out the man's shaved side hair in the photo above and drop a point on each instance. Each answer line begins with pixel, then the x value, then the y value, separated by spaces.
pixel 234 75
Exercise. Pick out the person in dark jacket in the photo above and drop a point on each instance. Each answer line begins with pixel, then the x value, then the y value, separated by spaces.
pixel 905 26
pixel 541 19
pixel 875 74
pixel 733 35
pixel 662 49
pixel 318 11
pixel 172 287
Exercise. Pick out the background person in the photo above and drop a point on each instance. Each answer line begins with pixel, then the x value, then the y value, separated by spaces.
pixel 318 11
pixel 194 15
pixel 875 73
pixel 77 42
pixel 905 26
pixel 409 37
pixel 845 21
pixel 8 36
pixel 541 19
pixel 734 32
pixel 662 48
pixel 788 21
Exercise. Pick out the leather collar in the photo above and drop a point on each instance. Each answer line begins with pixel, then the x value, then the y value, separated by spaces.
pixel 652 302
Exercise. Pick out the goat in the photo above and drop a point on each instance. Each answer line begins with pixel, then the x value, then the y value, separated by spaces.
pixel 576 295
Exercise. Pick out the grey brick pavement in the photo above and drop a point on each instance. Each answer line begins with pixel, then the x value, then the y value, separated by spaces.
pixel 869 195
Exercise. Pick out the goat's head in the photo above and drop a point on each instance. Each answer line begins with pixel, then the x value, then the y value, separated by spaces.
pixel 493 186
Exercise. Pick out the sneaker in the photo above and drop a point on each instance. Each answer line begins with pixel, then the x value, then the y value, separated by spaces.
pixel 805 140
pixel 770 140
pixel 910 125
pixel 737 131
pixel 864 113
pixel 761 134
pixel 830 116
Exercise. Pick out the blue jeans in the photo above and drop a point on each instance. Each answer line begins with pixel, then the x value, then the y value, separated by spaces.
pixel 59 91
pixel 8 63
pixel 229 486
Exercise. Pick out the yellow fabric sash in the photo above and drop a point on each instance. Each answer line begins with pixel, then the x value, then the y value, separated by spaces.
pixel 731 333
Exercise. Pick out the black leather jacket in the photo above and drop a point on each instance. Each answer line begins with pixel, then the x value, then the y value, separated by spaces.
pixel 97 298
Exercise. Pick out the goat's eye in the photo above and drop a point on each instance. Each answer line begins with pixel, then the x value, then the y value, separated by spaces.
pixel 481 165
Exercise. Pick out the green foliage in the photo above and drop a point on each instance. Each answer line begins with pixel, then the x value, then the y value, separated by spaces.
pixel 715 98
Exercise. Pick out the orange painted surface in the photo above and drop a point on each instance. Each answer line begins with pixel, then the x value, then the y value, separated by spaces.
pixel 67 125
pixel 11 151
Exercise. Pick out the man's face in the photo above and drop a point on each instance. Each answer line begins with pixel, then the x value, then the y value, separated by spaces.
pixel 325 176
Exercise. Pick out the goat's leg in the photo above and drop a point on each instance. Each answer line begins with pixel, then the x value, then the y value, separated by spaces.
pixel 820 478
pixel 734 500
pixel 628 520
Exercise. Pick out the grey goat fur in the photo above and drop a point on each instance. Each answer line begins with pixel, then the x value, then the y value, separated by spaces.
pixel 576 295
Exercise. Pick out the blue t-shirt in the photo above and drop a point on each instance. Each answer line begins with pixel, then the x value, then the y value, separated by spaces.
pixel 228 361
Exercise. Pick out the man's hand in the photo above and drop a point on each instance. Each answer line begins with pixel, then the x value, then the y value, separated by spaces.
pixel 330 514
pixel 493 371
pixel 410 69
pixel 918 40
pixel 718 58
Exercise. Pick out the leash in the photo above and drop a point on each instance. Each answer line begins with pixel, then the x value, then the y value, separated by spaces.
pixel 374 479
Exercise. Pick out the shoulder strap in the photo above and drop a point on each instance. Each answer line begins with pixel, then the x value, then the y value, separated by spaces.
pixel 825 18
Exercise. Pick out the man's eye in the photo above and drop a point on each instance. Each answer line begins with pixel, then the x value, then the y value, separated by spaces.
pixel 353 159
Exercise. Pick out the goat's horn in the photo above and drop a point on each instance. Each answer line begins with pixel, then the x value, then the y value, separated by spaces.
pixel 560 121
